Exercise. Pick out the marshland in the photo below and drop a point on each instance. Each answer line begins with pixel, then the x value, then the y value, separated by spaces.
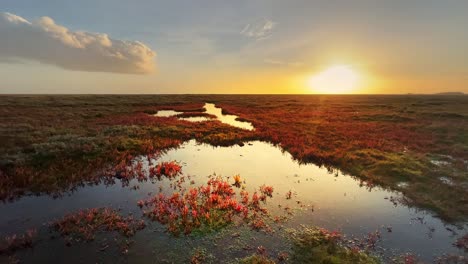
pixel 255 132
pixel 234 178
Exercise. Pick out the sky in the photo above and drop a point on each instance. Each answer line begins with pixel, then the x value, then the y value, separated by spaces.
pixel 255 46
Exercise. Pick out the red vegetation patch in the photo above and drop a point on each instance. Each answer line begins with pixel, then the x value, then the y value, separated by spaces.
pixel 383 139
pixel 185 107
pixel 266 190
pixel 462 242
pixel 204 208
pixel 10 244
pixel 169 169
pixel 237 180
pixel 129 169
pixel 330 235
pixel 409 258
pixel 85 224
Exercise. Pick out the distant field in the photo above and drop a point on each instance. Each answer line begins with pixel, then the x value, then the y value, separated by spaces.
pixel 414 144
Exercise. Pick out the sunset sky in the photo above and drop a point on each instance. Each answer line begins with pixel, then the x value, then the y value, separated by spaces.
pixel 276 46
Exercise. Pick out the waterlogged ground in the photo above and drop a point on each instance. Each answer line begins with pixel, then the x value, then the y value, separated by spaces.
pixel 317 197
pixel 89 151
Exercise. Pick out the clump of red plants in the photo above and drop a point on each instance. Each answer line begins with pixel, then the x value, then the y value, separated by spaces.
pixel 86 223
pixel 237 180
pixel 12 243
pixel 169 169
pixel 205 208
pixel 266 190
pixel 462 242
pixel 127 172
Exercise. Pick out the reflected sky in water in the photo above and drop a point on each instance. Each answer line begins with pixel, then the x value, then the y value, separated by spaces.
pixel 338 201
pixel 167 113
pixel 213 110
pixel 227 119
pixel 332 200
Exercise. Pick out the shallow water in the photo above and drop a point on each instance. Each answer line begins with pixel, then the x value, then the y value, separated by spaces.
pixel 167 113
pixel 213 110
pixel 339 202
pixel 227 119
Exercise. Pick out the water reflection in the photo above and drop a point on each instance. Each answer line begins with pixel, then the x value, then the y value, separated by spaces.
pixel 167 113
pixel 338 202
pixel 195 119
pixel 227 119
pixel 213 110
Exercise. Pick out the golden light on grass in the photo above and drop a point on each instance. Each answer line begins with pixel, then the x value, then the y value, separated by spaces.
pixel 335 80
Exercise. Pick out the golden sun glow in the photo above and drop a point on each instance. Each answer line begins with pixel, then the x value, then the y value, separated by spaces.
pixel 335 80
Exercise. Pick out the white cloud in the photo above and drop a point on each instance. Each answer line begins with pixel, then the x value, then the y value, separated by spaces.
pixel 259 30
pixel 47 42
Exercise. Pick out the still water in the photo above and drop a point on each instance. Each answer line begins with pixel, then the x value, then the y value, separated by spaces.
pixel 213 110
pixel 331 200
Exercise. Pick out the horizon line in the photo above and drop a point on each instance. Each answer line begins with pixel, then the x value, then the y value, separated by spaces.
pixel 344 94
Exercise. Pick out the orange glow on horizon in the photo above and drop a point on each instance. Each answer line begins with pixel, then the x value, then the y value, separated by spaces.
pixel 337 79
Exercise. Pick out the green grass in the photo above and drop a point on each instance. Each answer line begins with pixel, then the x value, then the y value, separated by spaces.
pixel 315 245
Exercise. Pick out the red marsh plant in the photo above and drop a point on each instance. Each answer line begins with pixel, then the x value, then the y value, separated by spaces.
pixel 205 208
pixel 462 242
pixel 169 169
pixel 128 169
pixel 266 190
pixel 15 242
pixel 85 224
pixel 237 180
pixel 185 107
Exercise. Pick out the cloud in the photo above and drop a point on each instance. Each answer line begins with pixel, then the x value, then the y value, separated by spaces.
pixel 47 42
pixel 283 63
pixel 260 30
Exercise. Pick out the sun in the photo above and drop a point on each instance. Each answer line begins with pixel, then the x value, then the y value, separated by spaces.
pixel 335 80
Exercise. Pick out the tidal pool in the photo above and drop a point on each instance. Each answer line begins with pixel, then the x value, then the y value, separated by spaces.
pixel 213 110
pixel 326 199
